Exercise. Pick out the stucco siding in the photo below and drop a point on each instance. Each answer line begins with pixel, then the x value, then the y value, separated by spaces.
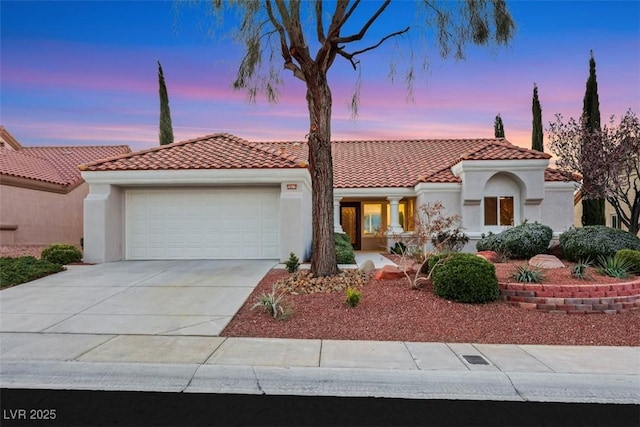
pixel 42 217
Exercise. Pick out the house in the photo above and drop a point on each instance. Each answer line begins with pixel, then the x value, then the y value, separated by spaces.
pixel 220 196
pixel 42 192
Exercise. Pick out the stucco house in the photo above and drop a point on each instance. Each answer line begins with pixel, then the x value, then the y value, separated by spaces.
pixel 220 196
pixel 42 192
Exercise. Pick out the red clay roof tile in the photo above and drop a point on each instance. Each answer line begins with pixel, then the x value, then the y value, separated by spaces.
pixel 218 151
pixel 57 165
pixel 357 164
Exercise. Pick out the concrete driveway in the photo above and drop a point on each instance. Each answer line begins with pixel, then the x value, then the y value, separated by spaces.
pixel 133 297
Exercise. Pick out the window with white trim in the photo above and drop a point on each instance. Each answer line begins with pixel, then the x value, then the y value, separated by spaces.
pixel 499 211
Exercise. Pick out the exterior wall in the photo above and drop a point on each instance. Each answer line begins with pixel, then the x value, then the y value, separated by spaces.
pixel 42 217
pixel 104 224
pixel 104 207
pixel 557 207
pixel 295 220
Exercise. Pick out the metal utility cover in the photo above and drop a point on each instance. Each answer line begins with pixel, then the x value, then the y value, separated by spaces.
pixel 473 359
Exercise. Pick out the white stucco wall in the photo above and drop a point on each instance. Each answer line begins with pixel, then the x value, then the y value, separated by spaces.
pixel 557 207
pixel 104 207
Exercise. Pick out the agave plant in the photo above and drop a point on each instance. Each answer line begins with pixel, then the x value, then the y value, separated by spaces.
pixel 528 274
pixel 580 271
pixel 271 302
pixel 614 267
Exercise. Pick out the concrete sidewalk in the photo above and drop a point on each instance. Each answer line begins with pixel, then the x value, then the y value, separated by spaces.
pixel 320 367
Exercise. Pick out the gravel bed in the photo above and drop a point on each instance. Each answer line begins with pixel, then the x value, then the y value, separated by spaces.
pixel 391 311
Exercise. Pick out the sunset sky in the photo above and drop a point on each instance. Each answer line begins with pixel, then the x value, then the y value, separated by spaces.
pixel 85 73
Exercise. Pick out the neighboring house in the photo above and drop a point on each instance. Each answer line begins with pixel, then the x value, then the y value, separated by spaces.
pixel 221 196
pixel 42 192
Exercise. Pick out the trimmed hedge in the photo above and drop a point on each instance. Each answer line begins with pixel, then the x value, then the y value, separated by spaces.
pixel 14 271
pixel 466 278
pixel 594 241
pixel 521 242
pixel 344 250
pixel 632 257
pixel 61 254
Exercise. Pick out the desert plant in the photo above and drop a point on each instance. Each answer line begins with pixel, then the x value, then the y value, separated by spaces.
pixel 14 271
pixel 450 240
pixel 527 274
pixel 292 263
pixel 466 278
pixel 633 257
pixel 614 267
pixel 344 250
pixel 429 222
pixel 399 248
pixel 522 241
pixel 271 302
pixel 596 241
pixel 580 270
pixel 353 296
pixel 61 254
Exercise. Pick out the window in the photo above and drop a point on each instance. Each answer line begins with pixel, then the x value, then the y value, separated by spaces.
pixel 498 211
pixel 372 217
pixel 614 221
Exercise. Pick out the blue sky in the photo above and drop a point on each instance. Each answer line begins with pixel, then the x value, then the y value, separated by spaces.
pixel 85 72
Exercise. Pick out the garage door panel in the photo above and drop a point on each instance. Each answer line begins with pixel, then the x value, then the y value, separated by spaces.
pixel 202 223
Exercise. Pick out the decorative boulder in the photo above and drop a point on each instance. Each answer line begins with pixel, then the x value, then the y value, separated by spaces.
pixel 490 256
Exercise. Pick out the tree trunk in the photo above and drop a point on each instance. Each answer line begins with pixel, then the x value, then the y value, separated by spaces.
pixel 323 257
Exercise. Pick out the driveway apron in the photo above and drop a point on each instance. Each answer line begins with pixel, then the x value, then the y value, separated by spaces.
pixel 195 297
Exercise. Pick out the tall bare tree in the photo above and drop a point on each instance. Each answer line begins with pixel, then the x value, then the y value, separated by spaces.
pixel 610 156
pixel 309 38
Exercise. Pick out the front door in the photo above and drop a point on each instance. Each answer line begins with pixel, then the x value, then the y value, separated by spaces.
pixel 350 221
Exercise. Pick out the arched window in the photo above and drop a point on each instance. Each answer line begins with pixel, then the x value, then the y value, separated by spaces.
pixel 501 203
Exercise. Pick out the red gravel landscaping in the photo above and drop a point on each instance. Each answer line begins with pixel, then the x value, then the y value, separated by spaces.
pixel 391 311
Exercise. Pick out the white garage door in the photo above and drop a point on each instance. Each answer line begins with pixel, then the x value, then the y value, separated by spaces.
pixel 199 223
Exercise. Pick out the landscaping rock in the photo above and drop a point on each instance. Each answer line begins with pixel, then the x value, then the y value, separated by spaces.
pixel 490 256
pixel 389 272
pixel 367 267
pixel 546 261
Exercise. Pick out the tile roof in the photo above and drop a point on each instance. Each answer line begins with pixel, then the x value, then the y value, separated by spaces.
pixel 217 151
pixel 56 165
pixel 357 164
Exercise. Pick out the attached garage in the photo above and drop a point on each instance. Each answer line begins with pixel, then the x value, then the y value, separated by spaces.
pixel 202 223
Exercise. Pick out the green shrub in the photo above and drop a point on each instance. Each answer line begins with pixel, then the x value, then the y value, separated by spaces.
pixel 521 242
pixel 436 260
pixel 613 266
pixel 632 257
pixel 14 271
pixel 528 274
pixel 466 278
pixel 353 296
pixel 61 254
pixel 596 241
pixel 344 250
pixel 292 263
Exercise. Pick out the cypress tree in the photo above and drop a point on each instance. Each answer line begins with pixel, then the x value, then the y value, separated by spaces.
pixel 166 129
pixel 498 128
pixel 536 133
pixel 592 209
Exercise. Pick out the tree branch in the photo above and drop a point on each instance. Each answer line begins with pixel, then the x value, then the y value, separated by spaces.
pixel 286 55
pixel 319 24
pixel 350 56
pixel 366 26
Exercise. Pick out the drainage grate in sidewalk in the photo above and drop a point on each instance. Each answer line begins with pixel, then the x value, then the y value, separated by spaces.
pixel 473 359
